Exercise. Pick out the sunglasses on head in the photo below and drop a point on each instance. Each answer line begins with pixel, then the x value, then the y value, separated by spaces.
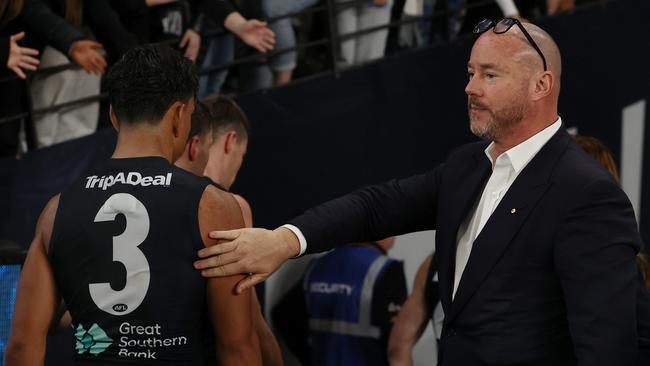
pixel 504 25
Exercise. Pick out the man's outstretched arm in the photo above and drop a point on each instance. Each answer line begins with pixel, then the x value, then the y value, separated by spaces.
pixel 37 298
pixel 372 213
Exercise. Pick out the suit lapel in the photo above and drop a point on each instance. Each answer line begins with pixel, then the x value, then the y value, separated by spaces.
pixel 460 200
pixel 507 219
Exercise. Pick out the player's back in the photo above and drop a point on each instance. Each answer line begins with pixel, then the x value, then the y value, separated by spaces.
pixel 122 248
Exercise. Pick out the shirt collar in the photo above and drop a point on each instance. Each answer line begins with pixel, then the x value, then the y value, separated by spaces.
pixel 520 155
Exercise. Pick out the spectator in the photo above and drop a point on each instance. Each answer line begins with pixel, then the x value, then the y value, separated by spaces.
pixel 58 23
pixel 357 17
pixel 156 20
pixel 282 65
pixel 344 306
pixel 61 30
pixel 108 28
pixel 18 60
pixel 178 20
pixel 221 49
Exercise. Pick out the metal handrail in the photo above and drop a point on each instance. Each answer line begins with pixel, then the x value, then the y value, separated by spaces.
pixel 333 40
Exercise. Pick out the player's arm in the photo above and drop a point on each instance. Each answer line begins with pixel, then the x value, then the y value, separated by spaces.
pixel 237 342
pixel 271 354
pixel 410 322
pixel 37 298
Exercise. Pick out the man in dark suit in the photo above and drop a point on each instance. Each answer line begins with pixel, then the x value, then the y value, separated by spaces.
pixel 536 242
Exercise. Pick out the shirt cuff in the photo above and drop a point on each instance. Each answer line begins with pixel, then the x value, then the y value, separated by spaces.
pixel 300 236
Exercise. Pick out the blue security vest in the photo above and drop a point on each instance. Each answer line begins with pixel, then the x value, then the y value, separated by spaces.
pixel 338 290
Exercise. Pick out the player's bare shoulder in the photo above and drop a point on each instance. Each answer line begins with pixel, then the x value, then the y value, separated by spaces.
pixel 45 223
pixel 218 210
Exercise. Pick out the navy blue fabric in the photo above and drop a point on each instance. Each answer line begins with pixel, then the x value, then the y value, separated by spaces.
pixel 333 292
pixel 149 206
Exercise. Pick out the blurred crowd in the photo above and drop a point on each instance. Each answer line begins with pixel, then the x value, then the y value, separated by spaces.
pixel 72 43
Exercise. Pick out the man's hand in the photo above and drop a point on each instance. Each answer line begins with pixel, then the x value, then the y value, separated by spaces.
pixel 379 3
pixel 259 252
pixel 253 32
pixel 192 40
pixel 21 57
pixel 85 54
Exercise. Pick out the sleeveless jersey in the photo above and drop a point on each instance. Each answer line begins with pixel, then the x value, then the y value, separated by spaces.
pixel 124 240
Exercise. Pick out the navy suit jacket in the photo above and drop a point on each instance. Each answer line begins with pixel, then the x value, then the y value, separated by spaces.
pixel 551 279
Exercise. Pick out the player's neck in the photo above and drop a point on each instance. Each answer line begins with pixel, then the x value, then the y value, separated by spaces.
pixel 184 163
pixel 136 142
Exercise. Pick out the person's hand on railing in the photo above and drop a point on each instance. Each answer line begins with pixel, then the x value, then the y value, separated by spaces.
pixel 253 32
pixel 85 54
pixel 21 57
pixel 192 40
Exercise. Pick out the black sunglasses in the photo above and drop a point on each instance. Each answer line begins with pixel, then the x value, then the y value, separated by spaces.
pixel 504 25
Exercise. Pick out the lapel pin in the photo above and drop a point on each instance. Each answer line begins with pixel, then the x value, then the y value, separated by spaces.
pixel 514 210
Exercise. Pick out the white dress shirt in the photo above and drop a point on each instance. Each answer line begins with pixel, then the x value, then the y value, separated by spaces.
pixel 505 170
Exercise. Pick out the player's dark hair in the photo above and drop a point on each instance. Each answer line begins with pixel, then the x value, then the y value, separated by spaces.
pixel 225 115
pixel 147 80
pixel 200 122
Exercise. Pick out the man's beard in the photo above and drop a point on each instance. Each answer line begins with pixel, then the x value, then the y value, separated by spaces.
pixel 498 121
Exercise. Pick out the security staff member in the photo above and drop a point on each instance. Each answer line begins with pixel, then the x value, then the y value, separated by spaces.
pixel 347 300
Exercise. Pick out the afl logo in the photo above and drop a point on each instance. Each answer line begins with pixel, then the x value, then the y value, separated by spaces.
pixel 120 308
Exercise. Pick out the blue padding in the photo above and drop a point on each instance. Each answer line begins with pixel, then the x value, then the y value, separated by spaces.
pixel 9 275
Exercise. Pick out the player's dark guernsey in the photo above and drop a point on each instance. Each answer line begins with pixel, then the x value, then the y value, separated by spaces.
pixel 124 240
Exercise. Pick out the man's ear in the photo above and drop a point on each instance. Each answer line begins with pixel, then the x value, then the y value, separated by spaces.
pixel 230 141
pixel 544 85
pixel 176 113
pixel 193 150
pixel 113 118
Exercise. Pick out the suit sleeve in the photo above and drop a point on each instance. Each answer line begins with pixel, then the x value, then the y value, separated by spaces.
pixel 396 207
pixel 595 249
pixel 108 28
pixel 50 28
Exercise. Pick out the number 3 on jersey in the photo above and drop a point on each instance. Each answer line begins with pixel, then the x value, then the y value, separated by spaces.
pixel 125 251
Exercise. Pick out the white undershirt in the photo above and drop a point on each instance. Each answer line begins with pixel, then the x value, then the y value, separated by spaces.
pixel 505 170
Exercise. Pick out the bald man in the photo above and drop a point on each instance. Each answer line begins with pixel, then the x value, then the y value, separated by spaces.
pixel 535 241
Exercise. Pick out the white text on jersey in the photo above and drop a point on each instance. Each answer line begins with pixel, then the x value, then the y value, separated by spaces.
pixel 131 178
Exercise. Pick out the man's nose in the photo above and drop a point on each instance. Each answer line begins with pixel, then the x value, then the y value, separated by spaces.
pixel 473 87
